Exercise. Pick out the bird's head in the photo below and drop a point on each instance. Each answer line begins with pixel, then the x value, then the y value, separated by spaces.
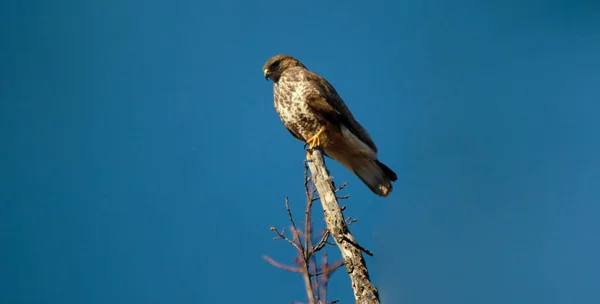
pixel 277 64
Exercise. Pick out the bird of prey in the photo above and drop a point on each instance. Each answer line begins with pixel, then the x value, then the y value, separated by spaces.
pixel 313 112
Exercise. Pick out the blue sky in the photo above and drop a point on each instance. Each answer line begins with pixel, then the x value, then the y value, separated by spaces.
pixel 143 162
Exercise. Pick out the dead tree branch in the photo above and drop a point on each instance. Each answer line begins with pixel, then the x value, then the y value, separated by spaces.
pixel 316 276
pixel 364 291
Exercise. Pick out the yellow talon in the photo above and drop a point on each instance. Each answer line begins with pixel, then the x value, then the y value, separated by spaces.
pixel 316 139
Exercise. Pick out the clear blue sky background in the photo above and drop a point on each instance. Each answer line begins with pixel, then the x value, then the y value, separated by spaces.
pixel 143 162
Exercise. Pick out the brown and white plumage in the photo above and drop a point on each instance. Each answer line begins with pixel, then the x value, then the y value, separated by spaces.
pixel 307 103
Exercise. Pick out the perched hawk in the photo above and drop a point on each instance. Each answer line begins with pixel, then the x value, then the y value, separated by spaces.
pixel 314 113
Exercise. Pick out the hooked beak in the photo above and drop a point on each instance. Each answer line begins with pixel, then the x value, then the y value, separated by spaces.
pixel 266 72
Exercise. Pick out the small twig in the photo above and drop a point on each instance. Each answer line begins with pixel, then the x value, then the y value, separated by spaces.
pixel 329 269
pixel 341 187
pixel 281 236
pixel 282 266
pixel 316 282
pixel 325 279
pixel 350 221
pixel 361 248
pixel 295 230
pixel 323 241
pixel 307 229
pixel 289 212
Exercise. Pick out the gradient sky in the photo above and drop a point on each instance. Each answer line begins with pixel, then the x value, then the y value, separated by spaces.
pixel 143 162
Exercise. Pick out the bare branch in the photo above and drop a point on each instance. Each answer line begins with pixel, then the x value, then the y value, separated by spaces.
pixel 330 269
pixel 364 291
pixel 294 229
pixel 282 266
pixel 316 276
pixel 350 221
pixel 307 220
pixel 341 187
pixel 323 241
pixel 281 236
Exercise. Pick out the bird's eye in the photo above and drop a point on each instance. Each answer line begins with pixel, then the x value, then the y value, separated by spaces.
pixel 275 64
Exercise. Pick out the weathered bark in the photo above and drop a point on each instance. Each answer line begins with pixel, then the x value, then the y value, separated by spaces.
pixel 364 291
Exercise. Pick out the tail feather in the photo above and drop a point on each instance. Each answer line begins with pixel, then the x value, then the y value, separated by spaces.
pixel 390 174
pixel 377 176
pixel 361 159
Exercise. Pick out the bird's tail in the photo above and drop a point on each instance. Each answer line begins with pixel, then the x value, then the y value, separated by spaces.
pixel 377 176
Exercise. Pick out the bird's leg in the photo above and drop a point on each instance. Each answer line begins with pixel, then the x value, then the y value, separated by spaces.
pixel 314 141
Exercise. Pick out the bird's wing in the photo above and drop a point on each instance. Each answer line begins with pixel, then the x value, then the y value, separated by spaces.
pixel 328 104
